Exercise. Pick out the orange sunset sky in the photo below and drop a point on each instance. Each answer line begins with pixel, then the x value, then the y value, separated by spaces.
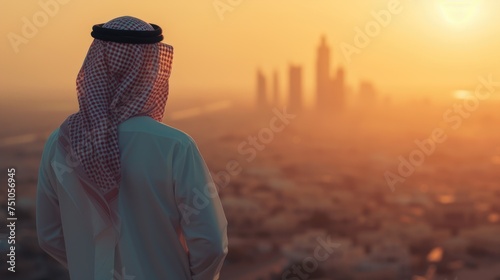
pixel 429 46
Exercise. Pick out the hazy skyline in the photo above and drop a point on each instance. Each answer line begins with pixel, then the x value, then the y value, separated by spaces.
pixel 425 45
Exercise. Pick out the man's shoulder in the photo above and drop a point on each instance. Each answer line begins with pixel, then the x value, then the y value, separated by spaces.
pixel 49 146
pixel 51 139
pixel 147 125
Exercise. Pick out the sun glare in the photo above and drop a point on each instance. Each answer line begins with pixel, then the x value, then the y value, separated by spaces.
pixel 459 12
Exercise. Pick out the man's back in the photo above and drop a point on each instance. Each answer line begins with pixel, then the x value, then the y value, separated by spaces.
pixel 167 203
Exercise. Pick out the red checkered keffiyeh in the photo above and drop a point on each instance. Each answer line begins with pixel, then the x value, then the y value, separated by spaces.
pixel 116 82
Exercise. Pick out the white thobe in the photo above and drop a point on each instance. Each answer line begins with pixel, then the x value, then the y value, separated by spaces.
pixel 172 222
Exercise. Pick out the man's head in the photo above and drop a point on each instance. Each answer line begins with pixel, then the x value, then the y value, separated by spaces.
pixel 129 67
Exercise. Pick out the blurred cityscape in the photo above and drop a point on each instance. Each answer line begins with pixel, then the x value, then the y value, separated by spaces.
pixel 331 89
pixel 310 198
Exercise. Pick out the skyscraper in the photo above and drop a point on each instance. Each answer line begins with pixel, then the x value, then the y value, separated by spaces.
pixel 338 100
pixel 323 82
pixel 330 92
pixel 276 89
pixel 295 88
pixel 261 89
pixel 367 93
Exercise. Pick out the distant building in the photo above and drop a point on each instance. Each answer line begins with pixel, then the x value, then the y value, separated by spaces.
pixel 323 82
pixel 367 93
pixel 261 89
pixel 330 90
pixel 276 89
pixel 339 90
pixel 295 88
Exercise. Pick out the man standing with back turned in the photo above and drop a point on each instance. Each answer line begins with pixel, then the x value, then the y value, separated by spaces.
pixel 118 194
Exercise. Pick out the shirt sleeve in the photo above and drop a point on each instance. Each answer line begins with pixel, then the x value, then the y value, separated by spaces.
pixel 48 217
pixel 202 218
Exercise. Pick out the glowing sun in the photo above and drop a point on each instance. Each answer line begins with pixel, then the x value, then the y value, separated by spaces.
pixel 459 11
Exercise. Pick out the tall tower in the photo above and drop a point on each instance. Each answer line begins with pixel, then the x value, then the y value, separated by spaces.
pixel 261 89
pixel 323 82
pixel 339 90
pixel 276 89
pixel 295 97
pixel 367 93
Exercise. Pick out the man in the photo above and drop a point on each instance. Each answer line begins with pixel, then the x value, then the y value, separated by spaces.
pixel 121 195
